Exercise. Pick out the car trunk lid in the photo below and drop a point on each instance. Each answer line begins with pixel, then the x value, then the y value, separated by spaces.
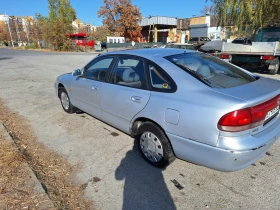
pixel 262 95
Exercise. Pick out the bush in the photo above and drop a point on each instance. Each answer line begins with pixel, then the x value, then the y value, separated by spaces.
pixel 33 45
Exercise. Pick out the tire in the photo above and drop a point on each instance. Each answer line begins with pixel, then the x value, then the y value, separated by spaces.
pixel 65 101
pixel 154 145
pixel 276 68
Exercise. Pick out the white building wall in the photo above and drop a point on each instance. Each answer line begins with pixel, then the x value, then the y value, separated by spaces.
pixel 215 33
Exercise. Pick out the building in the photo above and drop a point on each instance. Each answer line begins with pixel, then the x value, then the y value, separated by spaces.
pixel 202 26
pixel 82 27
pixel 157 28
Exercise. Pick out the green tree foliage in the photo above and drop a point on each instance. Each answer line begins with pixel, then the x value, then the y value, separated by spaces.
pixel 121 16
pixel 58 24
pixel 247 15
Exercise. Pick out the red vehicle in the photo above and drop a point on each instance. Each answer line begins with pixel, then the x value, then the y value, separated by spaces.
pixel 81 39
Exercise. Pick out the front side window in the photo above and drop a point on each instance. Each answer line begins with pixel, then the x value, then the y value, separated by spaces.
pixel 97 70
pixel 159 79
pixel 129 72
pixel 210 70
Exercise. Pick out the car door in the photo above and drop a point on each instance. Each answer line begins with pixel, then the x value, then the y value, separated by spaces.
pixel 86 89
pixel 126 93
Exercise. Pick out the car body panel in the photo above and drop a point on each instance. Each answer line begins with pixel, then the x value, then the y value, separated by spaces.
pixel 121 103
pixel 193 112
pixel 85 94
pixel 65 80
pixel 215 157
pixel 256 92
pixel 249 141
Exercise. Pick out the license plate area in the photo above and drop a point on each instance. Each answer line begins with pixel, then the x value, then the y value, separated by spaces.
pixel 271 114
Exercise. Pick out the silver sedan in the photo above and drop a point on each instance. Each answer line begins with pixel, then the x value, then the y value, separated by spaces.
pixel 179 103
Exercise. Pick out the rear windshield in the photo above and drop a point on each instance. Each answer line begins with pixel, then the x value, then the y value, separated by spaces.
pixel 210 70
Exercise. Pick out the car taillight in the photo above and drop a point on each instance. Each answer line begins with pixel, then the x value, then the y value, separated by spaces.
pixel 225 56
pixel 244 119
pixel 267 57
pixel 238 120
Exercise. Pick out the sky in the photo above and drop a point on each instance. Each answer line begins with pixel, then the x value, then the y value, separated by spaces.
pixel 86 10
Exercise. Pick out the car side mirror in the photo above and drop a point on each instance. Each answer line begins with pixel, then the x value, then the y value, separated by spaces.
pixel 76 73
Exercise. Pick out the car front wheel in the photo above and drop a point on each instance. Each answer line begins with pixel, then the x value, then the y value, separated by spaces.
pixel 65 101
pixel 154 145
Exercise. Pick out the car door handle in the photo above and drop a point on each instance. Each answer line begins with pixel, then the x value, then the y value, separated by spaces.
pixel 95 87
pixel 136 99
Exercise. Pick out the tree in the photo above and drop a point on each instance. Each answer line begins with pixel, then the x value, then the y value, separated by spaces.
pixel 101 33
pixel 58 24
pixel 122 17
pixel 208 10
pixel 4 34
pixel 247 15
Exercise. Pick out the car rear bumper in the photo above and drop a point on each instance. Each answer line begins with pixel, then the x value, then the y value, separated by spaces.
pixel 214 157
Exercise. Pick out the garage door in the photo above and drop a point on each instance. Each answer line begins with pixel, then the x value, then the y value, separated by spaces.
pixel 200 30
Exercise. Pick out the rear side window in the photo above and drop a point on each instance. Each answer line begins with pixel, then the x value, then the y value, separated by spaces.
pixel 210 70
pixel 160 80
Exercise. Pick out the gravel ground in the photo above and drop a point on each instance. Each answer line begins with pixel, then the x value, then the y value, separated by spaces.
pixel 109 166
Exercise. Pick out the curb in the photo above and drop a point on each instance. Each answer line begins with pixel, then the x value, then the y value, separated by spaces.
pixel 33 182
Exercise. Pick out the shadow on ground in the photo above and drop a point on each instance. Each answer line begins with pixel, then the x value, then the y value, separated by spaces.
pixel 144 185
pixel 5 58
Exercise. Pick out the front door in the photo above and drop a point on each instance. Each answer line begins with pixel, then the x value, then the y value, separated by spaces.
pixel 126 93
pixel 86 89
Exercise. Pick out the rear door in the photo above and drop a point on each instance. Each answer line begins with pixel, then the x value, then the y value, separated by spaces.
pixel 126 93
pixel 86 89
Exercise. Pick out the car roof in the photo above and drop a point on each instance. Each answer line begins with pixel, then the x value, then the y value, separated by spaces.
pixel 151 53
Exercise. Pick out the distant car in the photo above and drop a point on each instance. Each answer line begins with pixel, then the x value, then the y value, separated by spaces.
pixel 198 41
pixel 178 103
pixel 212 46
pixel 180 46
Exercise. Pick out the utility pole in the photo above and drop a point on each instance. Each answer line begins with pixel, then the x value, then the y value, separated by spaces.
pixel 8 22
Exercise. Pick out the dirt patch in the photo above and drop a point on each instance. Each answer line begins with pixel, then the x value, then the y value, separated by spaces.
pixel 52 171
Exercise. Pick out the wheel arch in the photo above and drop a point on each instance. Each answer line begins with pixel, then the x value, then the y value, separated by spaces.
pixel 60 85
pixel 138 122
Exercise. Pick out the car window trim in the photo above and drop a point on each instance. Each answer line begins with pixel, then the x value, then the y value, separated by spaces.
pixel 96 59
pixel 116 63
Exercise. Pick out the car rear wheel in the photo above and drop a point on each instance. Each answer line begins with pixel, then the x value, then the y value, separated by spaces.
pixel 154 145
pixel 65 101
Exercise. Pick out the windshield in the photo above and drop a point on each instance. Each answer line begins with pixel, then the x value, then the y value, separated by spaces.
pixel 210 70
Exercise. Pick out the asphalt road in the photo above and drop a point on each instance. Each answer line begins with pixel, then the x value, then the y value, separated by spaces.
pixel 117 176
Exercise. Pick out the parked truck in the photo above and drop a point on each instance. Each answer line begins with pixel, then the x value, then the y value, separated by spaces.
pixel 263 52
